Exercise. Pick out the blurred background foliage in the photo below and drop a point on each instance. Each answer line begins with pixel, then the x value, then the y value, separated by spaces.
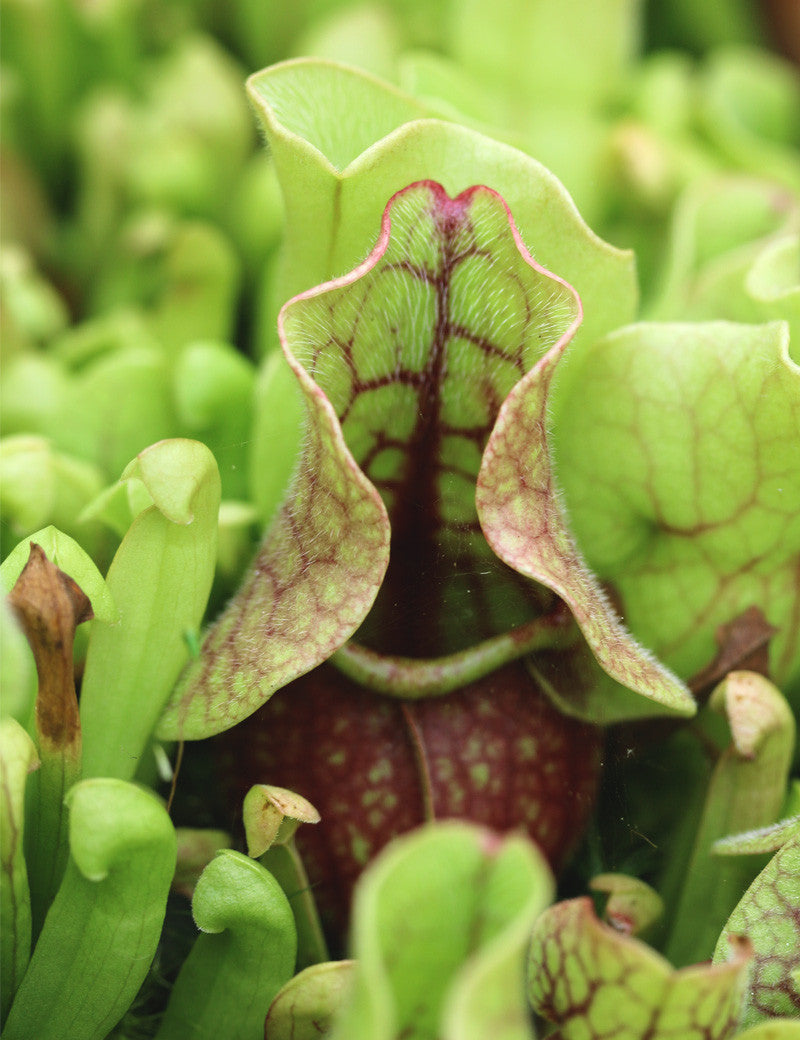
pixel 142 218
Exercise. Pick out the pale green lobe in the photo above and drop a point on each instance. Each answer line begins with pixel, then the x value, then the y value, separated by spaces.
pixel 266 811
pixel 746 790
pixel 245 953
pixel 676 447
pixel 403 364
pixel 769 915
pixel 632 905
pixel 17 759
pixel 593 981
pixel 70 558
pixel 102 930
pixel 336 173
pixel 524 520
pixel 305 1007
pixel 160 578
pixel 419 979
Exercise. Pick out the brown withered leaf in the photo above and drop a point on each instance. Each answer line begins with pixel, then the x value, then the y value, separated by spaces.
pixel 50 606
pixel 743 646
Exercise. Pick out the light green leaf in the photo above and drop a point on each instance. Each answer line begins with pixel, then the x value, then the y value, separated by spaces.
pixel 42 485
pixel 103 927
pixel 244 956
pixel 337 173
pixel 160 579
pixel 746 790
pixel 17 759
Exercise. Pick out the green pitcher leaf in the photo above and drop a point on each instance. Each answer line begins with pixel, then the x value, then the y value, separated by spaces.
pixel 632 905
pixel 676 447
pixel 403 375
pixel 17 759
pixel 336 174
pixel 769 915
pixel 160 578
pixel 305 1007
pixel 102 930
pixel 746 790
pixel 273 814
pixel 244 956
pixel 417 979
pixel 594 981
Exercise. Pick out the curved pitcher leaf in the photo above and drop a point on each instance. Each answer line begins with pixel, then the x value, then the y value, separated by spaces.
pixel 522 516
pixel 417 979
pixel 160 578
pixel 403 364
pixel 102 930
pixel 676 446
pixel 769 914
pixel 746 790
pixel 593 981
pixel 244 955
pixel 336 174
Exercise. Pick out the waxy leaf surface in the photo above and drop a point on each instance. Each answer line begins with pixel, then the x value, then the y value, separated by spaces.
pixel 593 982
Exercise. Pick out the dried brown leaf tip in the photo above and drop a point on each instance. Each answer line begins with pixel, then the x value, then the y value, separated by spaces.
pixel 50 606
pixel 743 644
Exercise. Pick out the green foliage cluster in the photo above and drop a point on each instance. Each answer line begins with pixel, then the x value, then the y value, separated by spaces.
pixel 153 418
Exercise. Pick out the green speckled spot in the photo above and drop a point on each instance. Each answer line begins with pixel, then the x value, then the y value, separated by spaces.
pixel 360 848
